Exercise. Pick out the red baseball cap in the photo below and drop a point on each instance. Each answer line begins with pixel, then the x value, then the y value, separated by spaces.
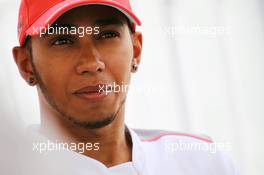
pixel 41 13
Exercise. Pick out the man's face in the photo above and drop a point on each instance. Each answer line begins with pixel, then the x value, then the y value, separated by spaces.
pixel 65 64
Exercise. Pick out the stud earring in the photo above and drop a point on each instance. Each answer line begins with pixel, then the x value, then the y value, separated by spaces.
pixel 134 68
pixel 31 80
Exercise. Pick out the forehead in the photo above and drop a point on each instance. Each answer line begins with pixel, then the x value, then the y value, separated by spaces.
pixel 90 14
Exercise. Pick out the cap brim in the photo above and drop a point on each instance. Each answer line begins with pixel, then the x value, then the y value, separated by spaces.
pixel 51 15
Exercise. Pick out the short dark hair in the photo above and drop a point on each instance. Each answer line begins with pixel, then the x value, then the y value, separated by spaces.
pixel 130 25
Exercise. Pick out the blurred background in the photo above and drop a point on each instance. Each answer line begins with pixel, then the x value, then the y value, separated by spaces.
pixel 201 72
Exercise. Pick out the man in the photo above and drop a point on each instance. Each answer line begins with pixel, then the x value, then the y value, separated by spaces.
pixel 76 76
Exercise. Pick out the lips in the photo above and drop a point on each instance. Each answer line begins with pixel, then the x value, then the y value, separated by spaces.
pixel 93 93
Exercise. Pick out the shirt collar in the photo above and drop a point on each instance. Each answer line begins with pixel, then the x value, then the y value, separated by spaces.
pixel 138 156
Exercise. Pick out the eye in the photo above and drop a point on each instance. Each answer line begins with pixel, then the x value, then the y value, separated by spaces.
pixel 108 35
pixel 62 41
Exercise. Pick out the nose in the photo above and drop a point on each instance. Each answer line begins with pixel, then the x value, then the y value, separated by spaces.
pixel 90 62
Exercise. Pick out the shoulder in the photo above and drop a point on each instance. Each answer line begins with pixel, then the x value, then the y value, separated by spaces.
pixel 186 151
pixel 158 135
pixel 165 143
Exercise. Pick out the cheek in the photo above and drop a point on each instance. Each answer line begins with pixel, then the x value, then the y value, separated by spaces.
pixel 118 61
pixel 53 72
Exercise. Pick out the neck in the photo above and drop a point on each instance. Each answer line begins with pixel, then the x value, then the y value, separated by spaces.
pixel 111 145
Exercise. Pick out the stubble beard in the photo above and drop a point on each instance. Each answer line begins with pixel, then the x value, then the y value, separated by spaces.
pixel 104 121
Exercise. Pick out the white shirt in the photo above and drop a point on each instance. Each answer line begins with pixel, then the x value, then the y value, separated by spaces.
pixel 155 153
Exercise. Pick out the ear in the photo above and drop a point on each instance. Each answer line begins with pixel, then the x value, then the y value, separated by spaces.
pixel 22 58
pixel 137 47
